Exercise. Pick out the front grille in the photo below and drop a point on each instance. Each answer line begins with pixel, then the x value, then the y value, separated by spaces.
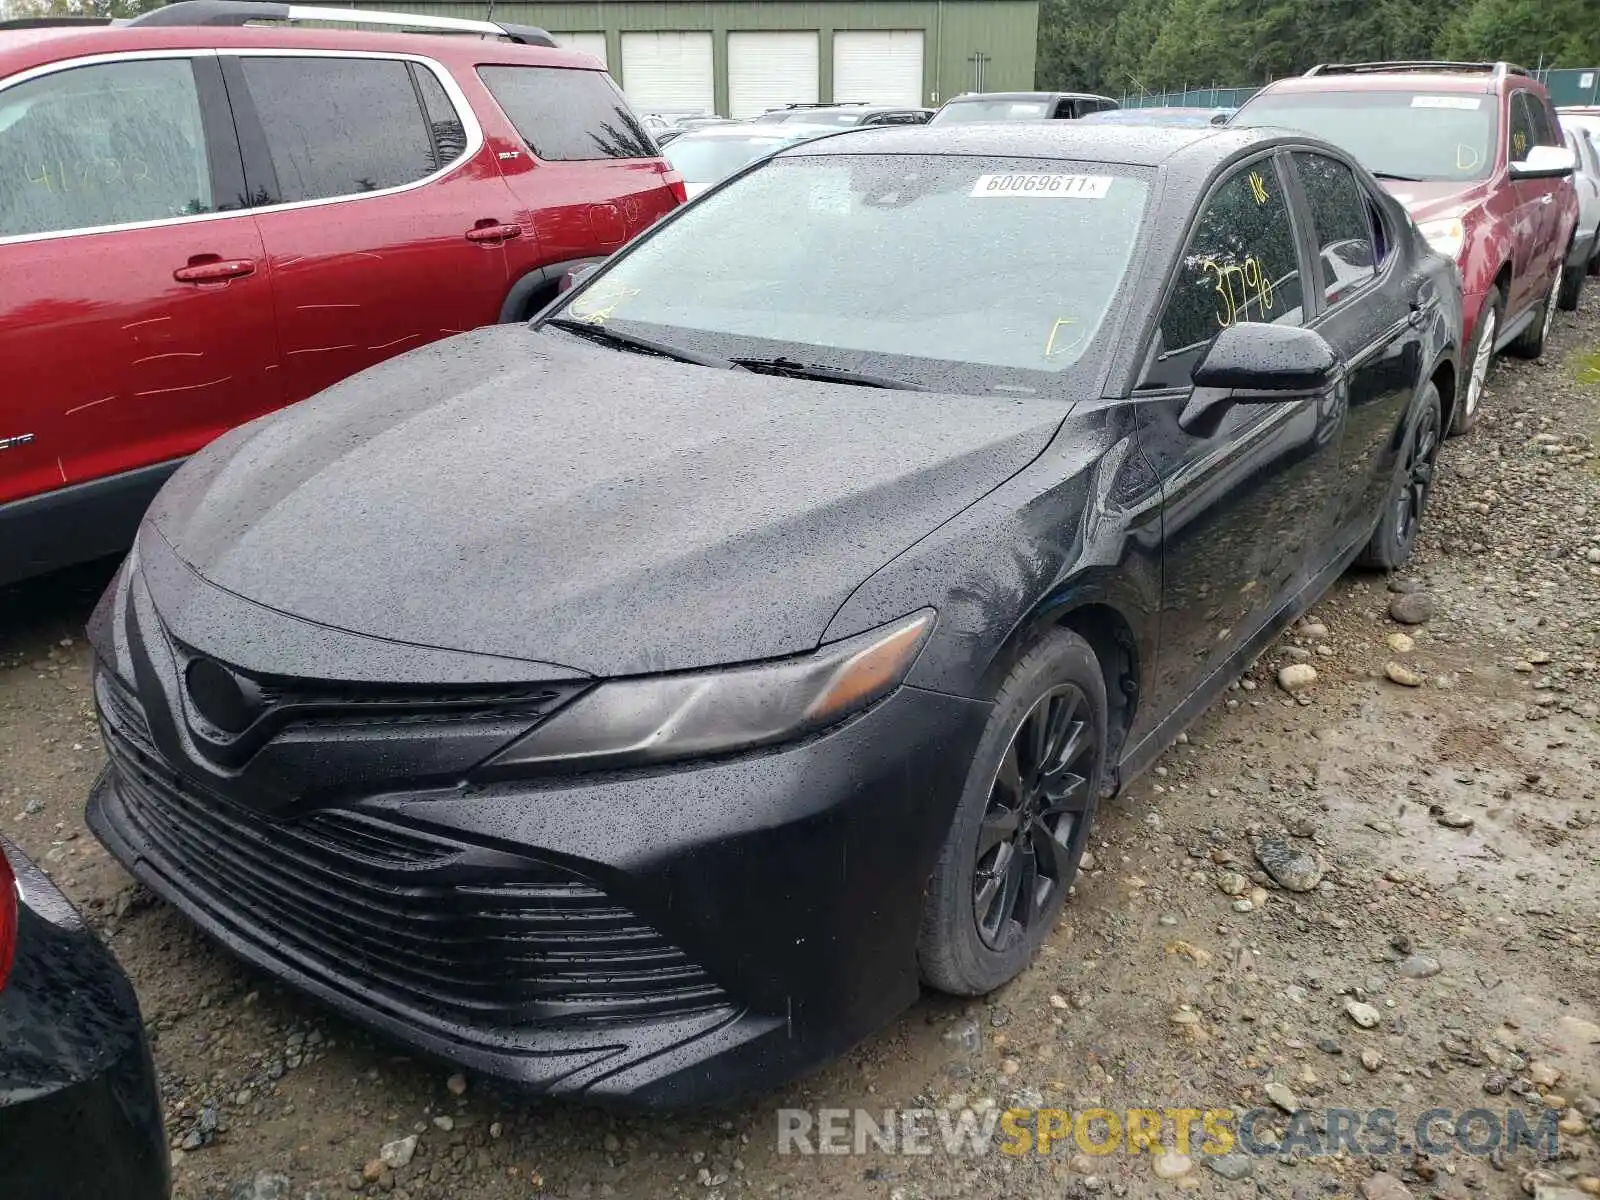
pixel 400 913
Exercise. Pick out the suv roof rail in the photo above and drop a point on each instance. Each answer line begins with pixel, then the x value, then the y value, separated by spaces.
pixel 243 12
pixel 52 22
pixel 1496 69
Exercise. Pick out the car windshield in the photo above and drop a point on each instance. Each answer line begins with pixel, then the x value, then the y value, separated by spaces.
pixel 1406 134
pixel 992 110
pixel 961 274
pixel 708 159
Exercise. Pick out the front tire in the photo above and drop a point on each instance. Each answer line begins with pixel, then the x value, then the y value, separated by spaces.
pixel 1022 823
pixel 1479 360
pixel 1530 342
pixel 1396 535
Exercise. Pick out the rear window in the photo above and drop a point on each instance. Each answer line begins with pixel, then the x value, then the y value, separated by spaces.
pixel 566 114
pixel 991 110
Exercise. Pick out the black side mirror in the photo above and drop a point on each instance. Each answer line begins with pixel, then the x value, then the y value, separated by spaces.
pixel 1249 357
pixel 1256 364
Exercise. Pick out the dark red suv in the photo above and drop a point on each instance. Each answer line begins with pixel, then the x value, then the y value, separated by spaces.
pixel 1474 152
pixel 203 220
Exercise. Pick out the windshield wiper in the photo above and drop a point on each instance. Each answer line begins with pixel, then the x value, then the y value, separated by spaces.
pixel 1401 178
pixel 791 369
pixel 597 332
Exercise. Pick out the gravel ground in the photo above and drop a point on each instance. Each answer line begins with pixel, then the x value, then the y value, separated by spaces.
pixel 1434 789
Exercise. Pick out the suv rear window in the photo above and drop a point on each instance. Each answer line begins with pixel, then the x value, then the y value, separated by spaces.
pixel 343 126
pixel 1411 134
pixel 568 114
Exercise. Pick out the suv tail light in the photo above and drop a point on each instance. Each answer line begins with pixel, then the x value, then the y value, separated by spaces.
pixel 8 918
pixel 675 185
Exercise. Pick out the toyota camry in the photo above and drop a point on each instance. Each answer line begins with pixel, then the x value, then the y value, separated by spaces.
pixel 644 703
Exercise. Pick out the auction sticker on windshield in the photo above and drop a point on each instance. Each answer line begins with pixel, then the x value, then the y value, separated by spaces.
pixel 1464 102
pixel 1073 187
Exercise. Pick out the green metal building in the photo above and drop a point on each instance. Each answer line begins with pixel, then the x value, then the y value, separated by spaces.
pixel 741 57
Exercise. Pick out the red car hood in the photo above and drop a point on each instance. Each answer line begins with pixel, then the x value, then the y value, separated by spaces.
pixel 1435 198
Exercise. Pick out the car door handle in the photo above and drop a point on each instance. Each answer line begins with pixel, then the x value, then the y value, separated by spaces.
pixel 493 232
pixel 1546 198
pixel 215 270
pixel 1416 316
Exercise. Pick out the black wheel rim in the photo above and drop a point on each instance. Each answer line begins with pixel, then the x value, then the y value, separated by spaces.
pixel 1037 817
pixel 1418 479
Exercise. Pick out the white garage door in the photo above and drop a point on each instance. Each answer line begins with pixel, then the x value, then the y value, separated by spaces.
pixel 769 70
pixel 668 72
pixel 878 66
pixel 584 43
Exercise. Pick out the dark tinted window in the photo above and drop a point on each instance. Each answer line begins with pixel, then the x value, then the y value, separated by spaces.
pixel 1341 221
pixel 566 114
pixel 444 123
pixel 1544 124
pixel 102 145
pixel 1524 133
pixel 1240 265
pixel 339 126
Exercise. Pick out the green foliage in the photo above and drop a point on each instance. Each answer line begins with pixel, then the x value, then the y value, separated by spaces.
pixel 1117 46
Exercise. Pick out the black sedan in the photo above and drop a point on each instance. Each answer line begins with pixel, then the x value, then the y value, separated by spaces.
pixel 644 704
pixel 80 1117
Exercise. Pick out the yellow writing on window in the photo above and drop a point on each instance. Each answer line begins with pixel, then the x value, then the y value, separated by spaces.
pixel 1241 288
pixel 1258 188
pixel 1519 143
pixel 88 175
pixel 597 304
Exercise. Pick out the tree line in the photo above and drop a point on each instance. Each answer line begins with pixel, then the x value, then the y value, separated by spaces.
pixel 1117 46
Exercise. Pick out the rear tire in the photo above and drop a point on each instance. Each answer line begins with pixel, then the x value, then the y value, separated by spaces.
pixel 1396 535
pixel 1479 360
pixel 1530 342
pixel 1022 823
pixel 1571 288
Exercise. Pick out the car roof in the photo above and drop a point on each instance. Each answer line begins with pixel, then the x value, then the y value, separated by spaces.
pixel 971 97
pixel 1069 141
pixel 739 129
pixel 1471 82
pixel 21 49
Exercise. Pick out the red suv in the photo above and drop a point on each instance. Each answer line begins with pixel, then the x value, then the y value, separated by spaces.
pixel 1474 152
pixel 202 221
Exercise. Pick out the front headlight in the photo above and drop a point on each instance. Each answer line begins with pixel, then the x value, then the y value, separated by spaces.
pixel 661 718
pixel 1447 236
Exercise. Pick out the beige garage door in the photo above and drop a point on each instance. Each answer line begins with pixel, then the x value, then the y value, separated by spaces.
pixel 584 43
pixel 769 70
pixel 668 72
pixel 878 66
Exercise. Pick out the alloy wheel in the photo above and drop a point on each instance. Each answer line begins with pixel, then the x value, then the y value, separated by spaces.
pixel 1481 360
pixel 1418 478
pixel 1550 304
pixel 1036 819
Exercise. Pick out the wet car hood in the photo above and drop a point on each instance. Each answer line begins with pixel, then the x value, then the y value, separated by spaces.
pixel 528 495
pixel 1434 198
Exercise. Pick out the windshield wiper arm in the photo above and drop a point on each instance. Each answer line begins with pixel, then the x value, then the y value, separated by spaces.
pixel 1401 178
pixel 595 331
pixel 798 370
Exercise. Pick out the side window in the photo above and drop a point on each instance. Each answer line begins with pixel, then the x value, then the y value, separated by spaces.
pixel 444 122
pixel 339 126
pixel 1544 123
pixel 566 114
pixel 1342 221
pixel 1241 264
pixel 102 145
pixel 1523 134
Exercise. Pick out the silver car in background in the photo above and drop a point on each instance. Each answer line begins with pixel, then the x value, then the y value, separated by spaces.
pixel 1584 259
pixel 709 155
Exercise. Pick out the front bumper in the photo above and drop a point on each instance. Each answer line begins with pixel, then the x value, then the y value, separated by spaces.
pixel 667 937
pixel 80 1113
